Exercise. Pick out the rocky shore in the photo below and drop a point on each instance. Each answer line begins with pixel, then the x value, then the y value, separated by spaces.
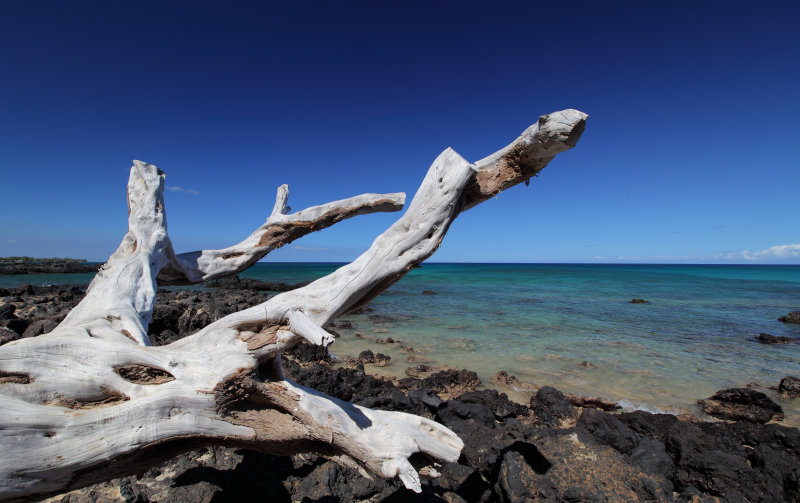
pixel 27 265
pixel 554 448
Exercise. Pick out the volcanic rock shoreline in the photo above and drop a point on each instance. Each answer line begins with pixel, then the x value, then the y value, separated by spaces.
pixel 546 450
pixel 27 265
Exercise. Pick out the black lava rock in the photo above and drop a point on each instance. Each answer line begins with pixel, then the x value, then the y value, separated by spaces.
pixel 741 404
pixel 790 387
pixel 606 429
pixel 551 406
pixel 498 403
pixel 764 338
pixel 7 335
pixel 39 327
pixel 7 311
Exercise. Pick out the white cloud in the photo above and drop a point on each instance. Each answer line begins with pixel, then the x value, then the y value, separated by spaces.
pixel 12 241
pixel 308 248
pixel 771 254
pixel 175 188
pixel 779 252
pixel 775 254
pixel 727 255
pixel 658 258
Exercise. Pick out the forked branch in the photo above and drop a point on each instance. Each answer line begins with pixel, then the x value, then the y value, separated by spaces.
pixel 280 229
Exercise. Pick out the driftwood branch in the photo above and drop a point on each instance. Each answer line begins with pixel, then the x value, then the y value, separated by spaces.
pixel 92 400
pixel 280 228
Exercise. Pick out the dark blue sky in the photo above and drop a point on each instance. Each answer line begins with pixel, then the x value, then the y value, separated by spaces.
pixel 690 153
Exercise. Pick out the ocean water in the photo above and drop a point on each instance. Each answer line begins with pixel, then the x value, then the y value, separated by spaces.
pixel 539 322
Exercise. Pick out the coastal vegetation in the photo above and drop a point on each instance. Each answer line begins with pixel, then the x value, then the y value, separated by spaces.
pixel 35 260
pixel 32 265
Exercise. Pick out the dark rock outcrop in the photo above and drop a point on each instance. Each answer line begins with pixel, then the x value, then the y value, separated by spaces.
pixel 445 382
pixel 309 353
pixel 792 317
pixel 7 335
pixel 7 311
pixel 548 452
pixel 742 404
pixel 765 338
pixel 551 406
pixel 498 403
pixel 39 327
pixel 607 430
pixel 592 402
pixel 237 283
pixel 789 387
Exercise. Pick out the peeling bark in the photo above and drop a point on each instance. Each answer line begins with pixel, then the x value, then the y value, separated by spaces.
pixel 92 400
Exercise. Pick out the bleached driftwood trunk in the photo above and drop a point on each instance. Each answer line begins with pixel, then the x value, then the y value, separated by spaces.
pixel 92 400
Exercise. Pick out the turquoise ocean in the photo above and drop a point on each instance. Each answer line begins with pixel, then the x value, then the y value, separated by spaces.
pixel 539 322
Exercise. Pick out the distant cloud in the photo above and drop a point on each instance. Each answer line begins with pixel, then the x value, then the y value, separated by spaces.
pixel 12 241
pixel 658 258
pixel 774 253
pixel 308 248
pixel 727 255
pixel 175 188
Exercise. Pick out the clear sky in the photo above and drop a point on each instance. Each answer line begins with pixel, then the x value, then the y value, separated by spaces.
pixel 691 151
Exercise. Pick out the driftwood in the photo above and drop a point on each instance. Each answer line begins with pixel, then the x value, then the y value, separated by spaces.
pixel 93 400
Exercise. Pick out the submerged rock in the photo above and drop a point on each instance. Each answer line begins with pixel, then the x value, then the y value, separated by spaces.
pixel 765 338
pixel 382 360
pixel 742 404
pixel 343 324
pixel 504 378
pixel 639 301
pixel 366 356
pixel 792 317
pixel 418 371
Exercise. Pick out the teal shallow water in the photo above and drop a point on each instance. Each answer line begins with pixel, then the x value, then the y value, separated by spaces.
pixel 539 321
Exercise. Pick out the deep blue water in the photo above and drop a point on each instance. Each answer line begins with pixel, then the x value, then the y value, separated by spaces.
pixel 539 321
